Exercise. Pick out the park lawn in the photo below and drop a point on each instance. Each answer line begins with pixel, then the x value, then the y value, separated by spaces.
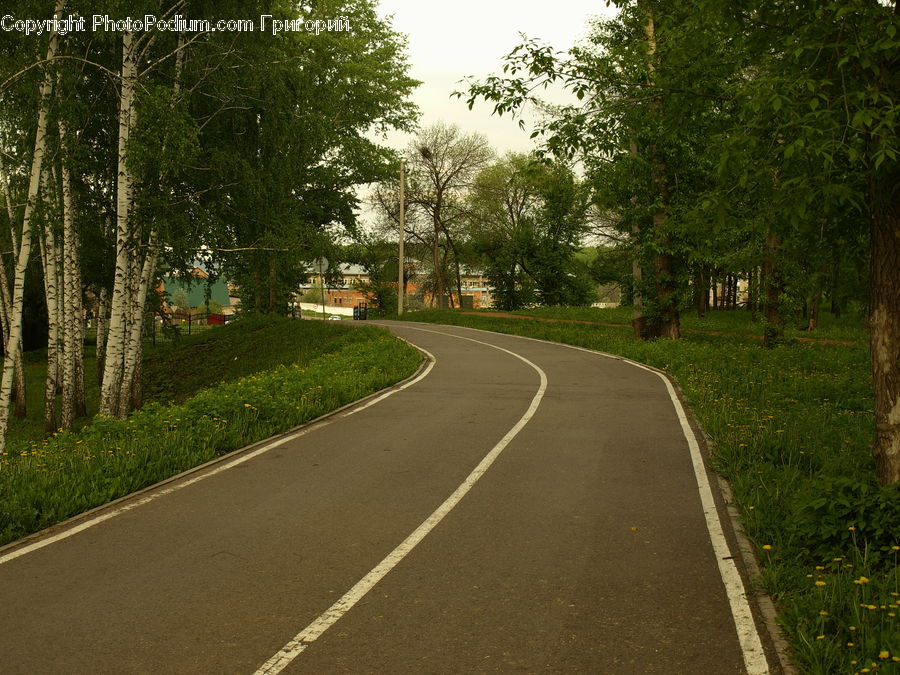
pixel 848 327
pixel 790 429
pixel 209 395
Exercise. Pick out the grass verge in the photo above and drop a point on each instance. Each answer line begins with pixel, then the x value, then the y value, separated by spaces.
pixel 790 429
pixel 323 367
pixel 847 327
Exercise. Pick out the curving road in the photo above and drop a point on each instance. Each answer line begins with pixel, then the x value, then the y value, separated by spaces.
pixel 517 507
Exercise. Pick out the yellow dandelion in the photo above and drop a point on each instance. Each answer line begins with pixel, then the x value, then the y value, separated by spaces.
pixel 767 547
pixel 820 583
pixel 884 654
pixel 861 581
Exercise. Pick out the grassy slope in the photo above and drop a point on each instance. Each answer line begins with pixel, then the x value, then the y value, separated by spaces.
pixel 790 429
pixel 240 348
pixel 237 385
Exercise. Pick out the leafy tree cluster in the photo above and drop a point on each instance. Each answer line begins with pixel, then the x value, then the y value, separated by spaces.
pixel 125 155
pixel 751 142
pixel 519 220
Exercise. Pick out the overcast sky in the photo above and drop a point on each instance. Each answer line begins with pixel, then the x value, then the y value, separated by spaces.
pixel 451 40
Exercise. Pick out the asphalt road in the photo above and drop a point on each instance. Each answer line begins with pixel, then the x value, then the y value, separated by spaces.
pixel 520 507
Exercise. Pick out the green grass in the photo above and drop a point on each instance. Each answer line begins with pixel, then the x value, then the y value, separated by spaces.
pixel 790 429
pixel 305 369
pixel 240 348
pixel 848 327
pixel 31 427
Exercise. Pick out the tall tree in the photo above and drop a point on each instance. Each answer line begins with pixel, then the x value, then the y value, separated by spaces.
pixel 23 253
pixel 291 133
pixel 649 93
pixel 818 105
pixel 443 162
pixel 527 218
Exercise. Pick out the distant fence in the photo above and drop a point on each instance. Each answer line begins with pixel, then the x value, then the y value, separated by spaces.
pixel 181 324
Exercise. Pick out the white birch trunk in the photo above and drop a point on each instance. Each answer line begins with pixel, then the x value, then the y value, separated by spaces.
pixel 19 392
pixel 49 259
pixel 24 251
pixel 131 290
pixel 73 340
pixel 102 332
pixel 115 343
pixel 130 388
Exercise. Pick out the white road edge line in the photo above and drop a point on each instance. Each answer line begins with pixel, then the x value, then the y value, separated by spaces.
pixel 755 660
pixel 175 487
pixel 308 635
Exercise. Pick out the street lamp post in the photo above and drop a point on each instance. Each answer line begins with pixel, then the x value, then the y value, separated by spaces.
pixel 401 258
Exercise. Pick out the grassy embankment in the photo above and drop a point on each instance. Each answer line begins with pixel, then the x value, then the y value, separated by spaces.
pixel 207 395
pixel 790 429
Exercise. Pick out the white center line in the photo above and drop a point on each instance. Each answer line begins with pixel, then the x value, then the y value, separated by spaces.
pixel 308 635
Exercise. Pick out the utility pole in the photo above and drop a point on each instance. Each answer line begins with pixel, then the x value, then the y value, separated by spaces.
pixel 400 262
pixel 322 279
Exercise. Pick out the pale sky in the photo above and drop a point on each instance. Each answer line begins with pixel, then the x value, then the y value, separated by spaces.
pixel 451 40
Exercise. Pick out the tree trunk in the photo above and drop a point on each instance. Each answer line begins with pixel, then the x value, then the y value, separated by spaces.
pixel 435 254
pixel 102 332
pixel 752 292
pixel 73 342
pixel 137 382
pixel 815 300
pixel 19 391
pixel 665 321
pixel 701 292
pixel 131 377
pixel 50 259
pixel 638 320
pixel 115 345
pixel 835 285
pixel 24 251
pixel 774 329
pixel 272 300
pixel 884 324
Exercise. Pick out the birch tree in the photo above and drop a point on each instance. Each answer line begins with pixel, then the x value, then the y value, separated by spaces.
pixel 6 304
pixel 25 241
